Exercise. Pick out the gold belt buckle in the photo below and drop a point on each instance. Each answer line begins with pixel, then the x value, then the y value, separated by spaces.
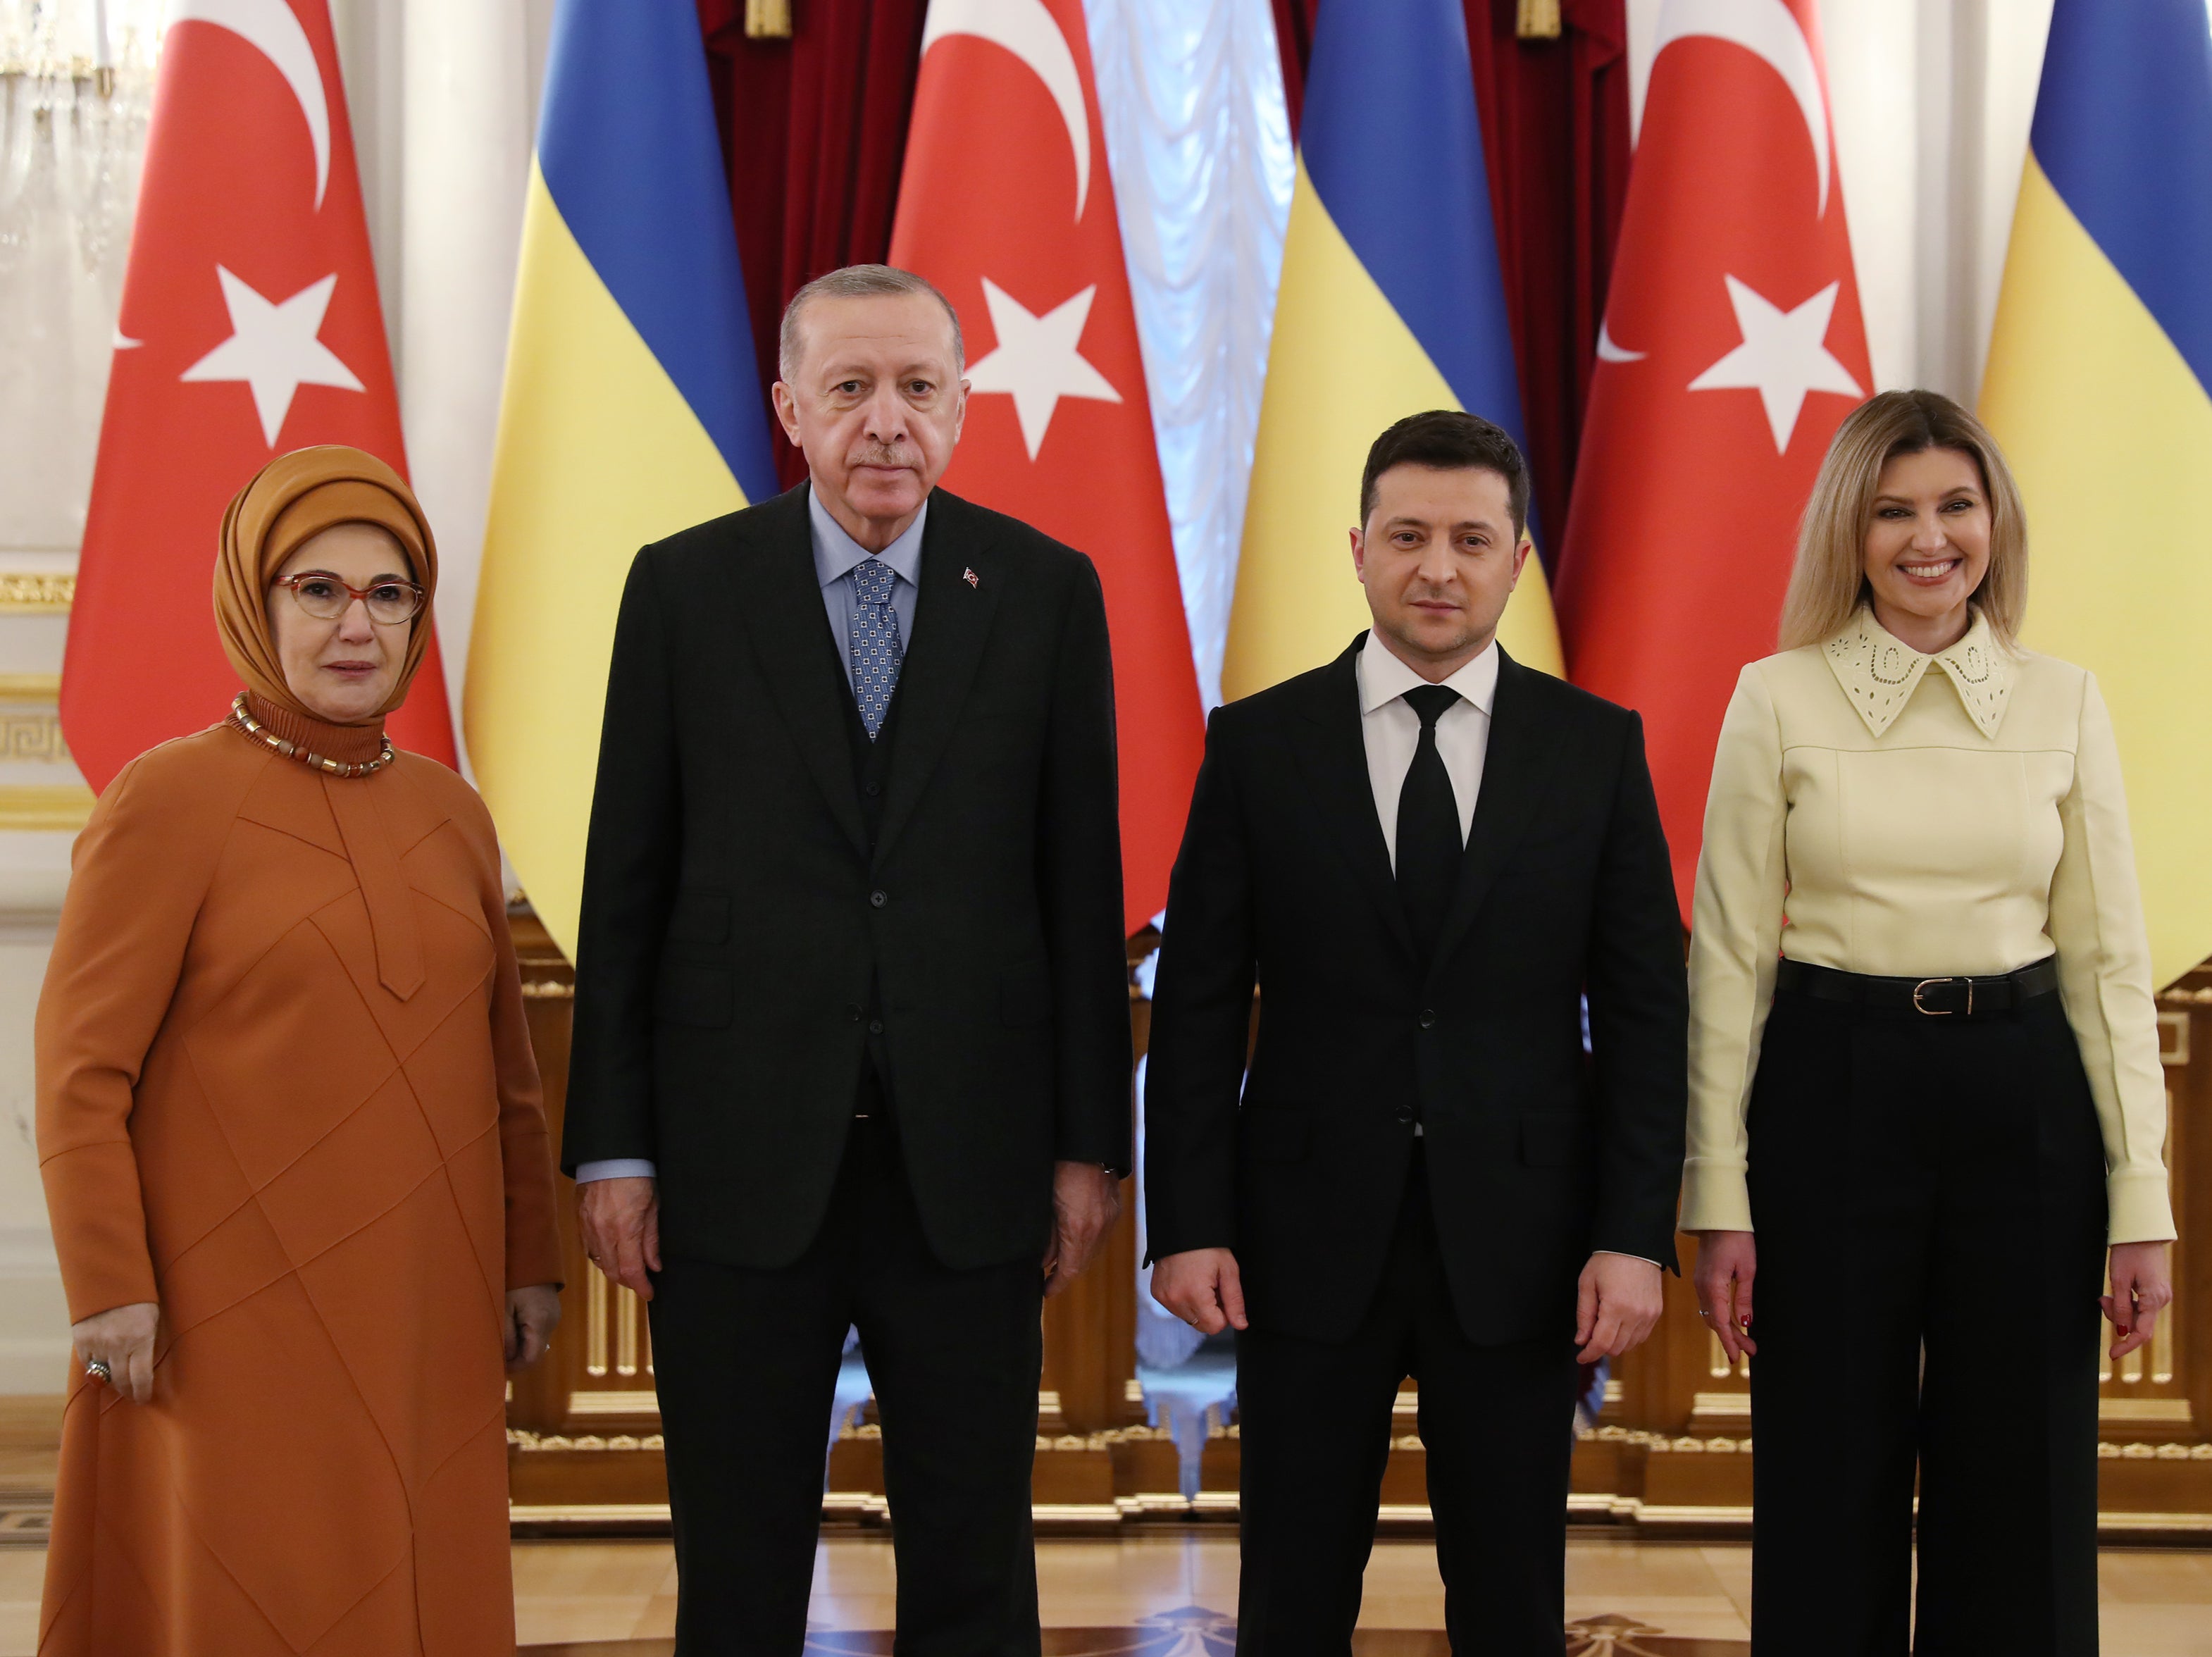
pixel 1942 1012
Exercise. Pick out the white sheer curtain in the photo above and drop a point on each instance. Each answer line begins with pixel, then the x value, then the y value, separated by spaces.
pixel 76 86
pixel 1191 96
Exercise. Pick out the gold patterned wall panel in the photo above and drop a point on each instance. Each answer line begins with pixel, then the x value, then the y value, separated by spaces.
pixel 39 790
pixel 24 594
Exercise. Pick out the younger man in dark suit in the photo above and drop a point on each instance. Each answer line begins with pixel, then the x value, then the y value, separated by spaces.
pixel 1427 855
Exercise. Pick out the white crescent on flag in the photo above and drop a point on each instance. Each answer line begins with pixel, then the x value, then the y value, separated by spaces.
pixel 269 28
pixel 1025 29
pixel 1768 30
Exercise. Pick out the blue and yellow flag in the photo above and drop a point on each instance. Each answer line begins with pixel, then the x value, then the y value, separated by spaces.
pixel 1391 302
pixel 2100 388
pixel 632 409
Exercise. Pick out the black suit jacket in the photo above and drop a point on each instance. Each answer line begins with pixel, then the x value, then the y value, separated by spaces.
pixel 1538 1152
pixel 740 933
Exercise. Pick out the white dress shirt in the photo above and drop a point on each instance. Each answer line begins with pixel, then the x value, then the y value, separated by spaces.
pixel 1392 731
pixel 836 555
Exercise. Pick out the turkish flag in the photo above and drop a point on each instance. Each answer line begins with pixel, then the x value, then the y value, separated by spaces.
pixel 1732 348
pixel 250 328
pixel 1007 205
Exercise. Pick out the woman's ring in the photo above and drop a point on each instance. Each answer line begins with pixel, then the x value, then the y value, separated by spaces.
pixel 98 1370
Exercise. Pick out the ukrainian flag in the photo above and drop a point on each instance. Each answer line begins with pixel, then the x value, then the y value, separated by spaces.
pixel 2100 388
pixel 632 409
pixel 1391 302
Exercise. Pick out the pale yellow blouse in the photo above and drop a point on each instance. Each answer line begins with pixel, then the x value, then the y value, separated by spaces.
pixel 1877 810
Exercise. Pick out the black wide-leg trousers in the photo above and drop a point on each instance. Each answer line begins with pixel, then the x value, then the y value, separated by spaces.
pixel 1928 1194
pixel 746 1364
pixel 1497 1424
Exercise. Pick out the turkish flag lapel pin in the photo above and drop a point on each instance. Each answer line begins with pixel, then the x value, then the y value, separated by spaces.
pixel 968 576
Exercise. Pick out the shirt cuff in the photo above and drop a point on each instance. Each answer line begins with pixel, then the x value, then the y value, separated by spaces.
pixel 616 1168
pixel 1615 1252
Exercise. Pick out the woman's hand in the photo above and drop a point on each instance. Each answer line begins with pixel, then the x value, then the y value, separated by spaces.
pixel 2142 1287
pixel 122 1338
pixel 1727 1263
pixel 533 1315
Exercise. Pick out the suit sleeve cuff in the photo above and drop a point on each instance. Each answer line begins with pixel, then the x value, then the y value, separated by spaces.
pixel 617 1168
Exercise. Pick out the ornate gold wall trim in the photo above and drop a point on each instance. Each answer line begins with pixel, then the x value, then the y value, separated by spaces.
pixel 30 687
pixel 44 806
pixel 36 595
pixel 36 737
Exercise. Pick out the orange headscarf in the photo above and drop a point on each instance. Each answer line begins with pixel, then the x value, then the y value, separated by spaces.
pixel 295 496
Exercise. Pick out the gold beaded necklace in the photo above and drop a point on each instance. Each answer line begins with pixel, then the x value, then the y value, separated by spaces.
pixel 242 720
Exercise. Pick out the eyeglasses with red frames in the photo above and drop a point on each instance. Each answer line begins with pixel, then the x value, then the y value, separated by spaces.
pixel 325 598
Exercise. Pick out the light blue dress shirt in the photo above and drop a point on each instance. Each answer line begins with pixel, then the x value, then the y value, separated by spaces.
pixel 836 554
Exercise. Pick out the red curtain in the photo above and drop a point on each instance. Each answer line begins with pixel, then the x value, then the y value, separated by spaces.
pixel 814 128
pixel 1555 125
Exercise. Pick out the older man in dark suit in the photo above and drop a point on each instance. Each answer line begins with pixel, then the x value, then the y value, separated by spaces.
pixel 852 1023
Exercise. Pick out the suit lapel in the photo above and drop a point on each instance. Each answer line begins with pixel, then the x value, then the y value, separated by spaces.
pixel 1515 770
pixel 1335 765
pixel 782 603
pixel 952 621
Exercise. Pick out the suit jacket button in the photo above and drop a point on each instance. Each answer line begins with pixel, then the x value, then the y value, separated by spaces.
pixel 874 789
pixel 875 1027
pixel 878 899
pixel 1428 1018
pixel 851 1012
pixel 1405 1117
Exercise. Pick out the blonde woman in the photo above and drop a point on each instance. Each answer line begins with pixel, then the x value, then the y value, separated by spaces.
pixel 1925 1094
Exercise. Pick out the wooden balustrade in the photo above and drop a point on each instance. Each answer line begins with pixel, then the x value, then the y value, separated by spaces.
pixel 1671 1453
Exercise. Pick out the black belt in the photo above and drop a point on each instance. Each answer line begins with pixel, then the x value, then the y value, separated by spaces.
pixel 1926 998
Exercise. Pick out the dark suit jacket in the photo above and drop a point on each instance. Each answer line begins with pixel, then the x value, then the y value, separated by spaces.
pixel 1538 1153
pixel 740 933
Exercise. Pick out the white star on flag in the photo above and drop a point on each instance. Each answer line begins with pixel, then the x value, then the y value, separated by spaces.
pixel 1782 357
pixel 1036 360
pixel 273 348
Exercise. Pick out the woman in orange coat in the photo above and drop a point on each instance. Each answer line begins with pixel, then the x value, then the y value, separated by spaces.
pixel 289 1126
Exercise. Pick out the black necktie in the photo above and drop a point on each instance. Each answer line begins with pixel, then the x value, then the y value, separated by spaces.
pixel 1429 846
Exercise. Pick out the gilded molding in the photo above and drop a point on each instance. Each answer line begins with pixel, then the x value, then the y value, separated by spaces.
pixel 36 595
pixel 1668 1444
pixel 631 1402
pixel 2166 1411
pixel 36 737
pixel 532 1443
pixel 44 806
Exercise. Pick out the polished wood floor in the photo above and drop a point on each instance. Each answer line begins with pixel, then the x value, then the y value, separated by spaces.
pixel 2156 1603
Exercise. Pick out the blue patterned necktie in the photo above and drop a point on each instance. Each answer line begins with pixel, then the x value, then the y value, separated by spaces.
pixel 875 644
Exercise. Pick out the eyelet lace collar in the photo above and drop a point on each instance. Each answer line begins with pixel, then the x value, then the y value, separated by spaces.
pixel 1878 671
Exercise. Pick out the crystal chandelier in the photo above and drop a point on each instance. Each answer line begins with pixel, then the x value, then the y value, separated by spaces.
pixel 77 79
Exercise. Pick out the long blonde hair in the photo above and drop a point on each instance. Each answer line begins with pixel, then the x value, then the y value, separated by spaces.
pixel 1828 582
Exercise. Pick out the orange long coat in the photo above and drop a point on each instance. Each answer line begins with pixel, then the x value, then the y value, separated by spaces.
pixel 327 1187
